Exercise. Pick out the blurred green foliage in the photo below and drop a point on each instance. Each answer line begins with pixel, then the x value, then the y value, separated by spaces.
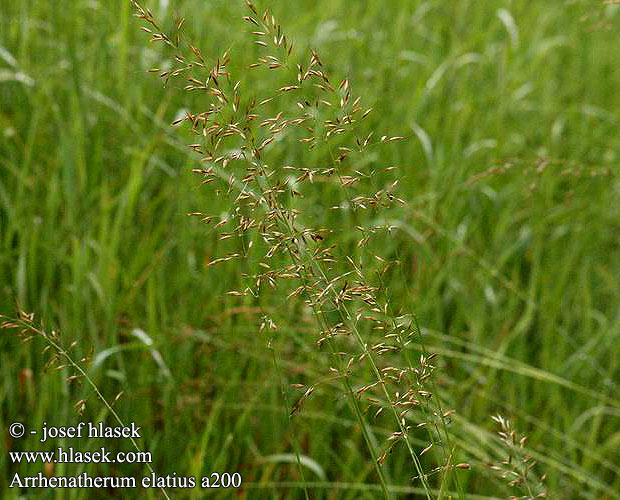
pixel 509 247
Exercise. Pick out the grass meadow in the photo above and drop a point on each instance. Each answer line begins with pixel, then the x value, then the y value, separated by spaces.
pixel 499 255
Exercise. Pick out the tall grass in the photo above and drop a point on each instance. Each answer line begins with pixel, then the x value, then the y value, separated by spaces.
pixel 506 249
pixel 234 128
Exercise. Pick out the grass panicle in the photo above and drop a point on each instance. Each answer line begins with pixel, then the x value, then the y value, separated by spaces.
pixel 60 358
pixel 237 134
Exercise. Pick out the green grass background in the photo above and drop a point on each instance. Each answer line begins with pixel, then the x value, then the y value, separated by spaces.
pixel 514 276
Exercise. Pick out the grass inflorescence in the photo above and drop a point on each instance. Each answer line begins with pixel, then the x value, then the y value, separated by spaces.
pixel 236 129
pixel 410 218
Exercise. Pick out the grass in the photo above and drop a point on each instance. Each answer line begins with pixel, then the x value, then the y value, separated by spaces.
pixel 508 245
